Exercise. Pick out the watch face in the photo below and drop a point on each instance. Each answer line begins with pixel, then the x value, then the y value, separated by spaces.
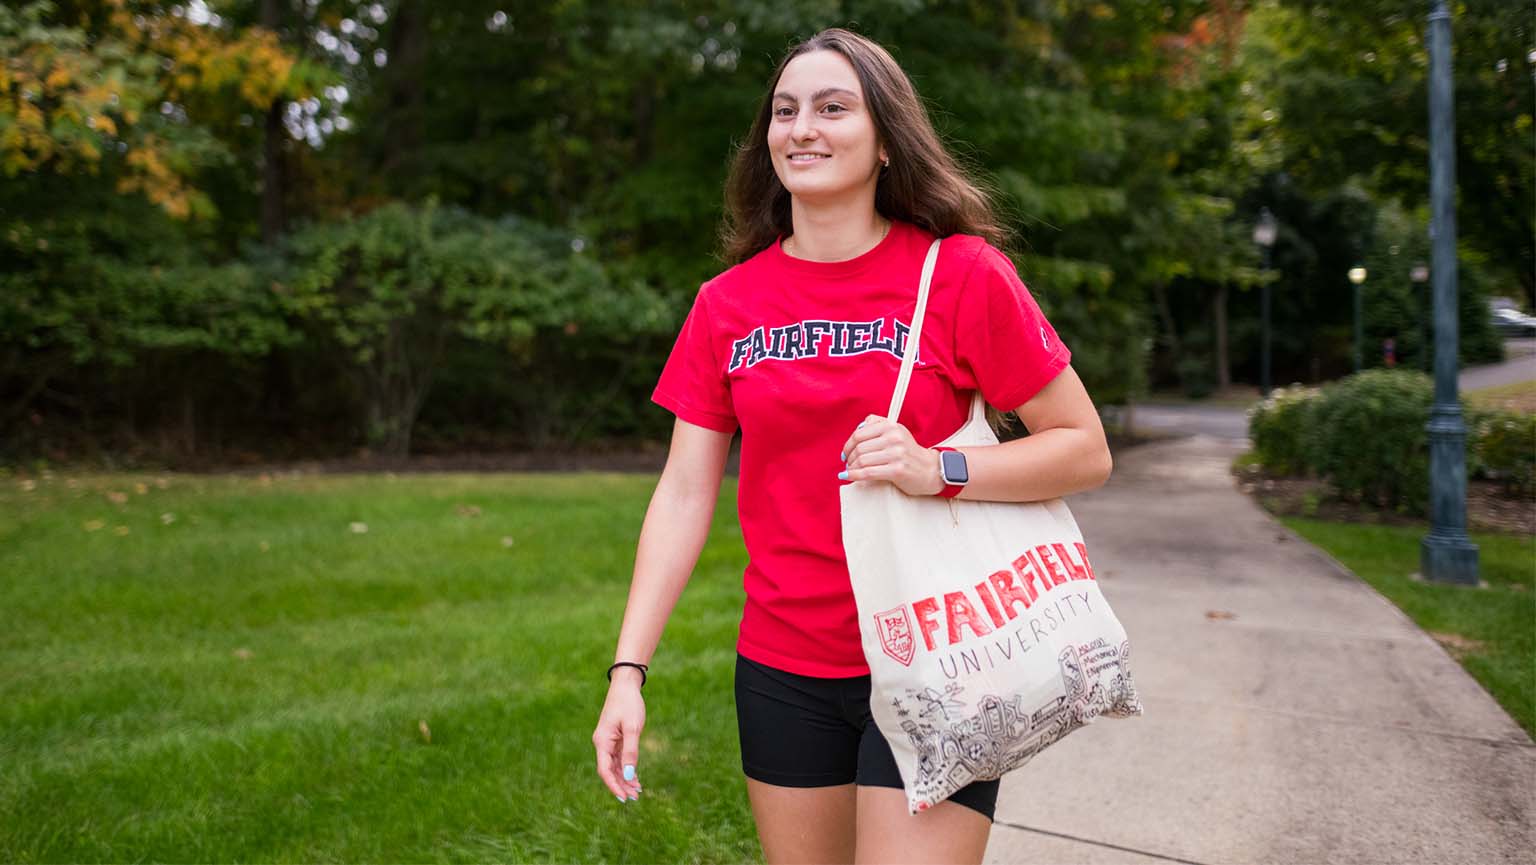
pixel 952 464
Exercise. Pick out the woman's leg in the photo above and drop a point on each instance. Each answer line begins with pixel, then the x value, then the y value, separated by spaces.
pixel 948 832
pixel 955 830
pixel 803 824
pixel 800 754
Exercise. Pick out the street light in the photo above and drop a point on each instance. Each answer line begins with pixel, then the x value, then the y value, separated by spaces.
pixel 1446 553
pixel 1420 275
pixel 1357 276
pixel 1264 235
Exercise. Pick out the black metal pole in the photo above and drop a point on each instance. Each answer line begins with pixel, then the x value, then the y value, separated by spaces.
pixel 1357 326
pixel 1264 381
pixel 1446 553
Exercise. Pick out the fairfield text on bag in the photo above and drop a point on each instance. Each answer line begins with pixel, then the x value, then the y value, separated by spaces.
pixel 1017 608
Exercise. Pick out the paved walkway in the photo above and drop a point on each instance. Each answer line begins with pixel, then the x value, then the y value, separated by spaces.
pixel 1231 422
pixel 1521 366
pixel 1316 724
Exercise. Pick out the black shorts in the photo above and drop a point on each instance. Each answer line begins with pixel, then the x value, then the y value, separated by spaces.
pixel 803 731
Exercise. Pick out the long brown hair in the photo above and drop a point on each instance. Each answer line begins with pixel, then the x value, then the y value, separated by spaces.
pixel 924 184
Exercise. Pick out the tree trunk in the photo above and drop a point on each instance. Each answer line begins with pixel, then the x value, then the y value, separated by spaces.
pixel 1223 363
pixel 273 217
pixel 1170 329
pixel 402 118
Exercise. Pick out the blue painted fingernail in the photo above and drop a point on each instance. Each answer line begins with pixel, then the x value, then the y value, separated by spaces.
pixel 629 773
pixel 620 798
pixel 634 798
pixel 842 476
pixel 861 423
pixel 844 457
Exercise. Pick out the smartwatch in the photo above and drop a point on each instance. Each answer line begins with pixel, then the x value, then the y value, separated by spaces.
pixel 952 471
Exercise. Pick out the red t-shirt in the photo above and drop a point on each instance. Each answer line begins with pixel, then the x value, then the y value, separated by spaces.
pixel 797 353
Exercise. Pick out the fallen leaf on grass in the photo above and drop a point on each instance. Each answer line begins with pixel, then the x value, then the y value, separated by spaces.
pixel 141 489
pixel 120 531
pixel 265 546
pixel 1220 614
pixel 94 525
pixel 359 528
pixel 426 732
pixel 242 653
pixel 167 518
pixel 117 498
pixel 506 542
pixel 161 483
pixel 28 485
pixel 466 510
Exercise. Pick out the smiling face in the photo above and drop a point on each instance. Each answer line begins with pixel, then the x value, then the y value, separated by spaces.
pixel 822 137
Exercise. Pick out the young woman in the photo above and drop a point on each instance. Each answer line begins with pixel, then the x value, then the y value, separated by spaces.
pixel 833 200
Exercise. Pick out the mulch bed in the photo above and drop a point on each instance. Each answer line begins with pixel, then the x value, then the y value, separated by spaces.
pixel 1489 508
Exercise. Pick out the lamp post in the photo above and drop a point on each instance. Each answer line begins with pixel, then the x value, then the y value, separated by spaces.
pixel 1264 235
pixel 1357 276
pixel 1446 554
pixel 1420 275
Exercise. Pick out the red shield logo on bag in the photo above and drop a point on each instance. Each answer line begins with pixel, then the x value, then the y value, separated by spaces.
pixel 895 631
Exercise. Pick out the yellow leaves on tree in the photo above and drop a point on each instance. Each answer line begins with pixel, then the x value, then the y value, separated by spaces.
pixel 54 95
pixel 150 172
pixel 67 101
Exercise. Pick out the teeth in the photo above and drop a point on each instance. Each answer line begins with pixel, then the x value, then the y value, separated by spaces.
pixel 806 157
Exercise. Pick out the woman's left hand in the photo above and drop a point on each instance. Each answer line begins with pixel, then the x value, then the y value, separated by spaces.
pixel 881 449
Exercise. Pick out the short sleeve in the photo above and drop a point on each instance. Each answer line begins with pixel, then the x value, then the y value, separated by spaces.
pixel 693 385
pixel 1003 344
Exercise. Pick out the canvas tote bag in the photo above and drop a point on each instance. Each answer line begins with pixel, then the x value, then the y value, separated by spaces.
pixel 983 623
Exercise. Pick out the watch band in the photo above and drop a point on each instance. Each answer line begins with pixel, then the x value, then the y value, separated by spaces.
pixel 950 490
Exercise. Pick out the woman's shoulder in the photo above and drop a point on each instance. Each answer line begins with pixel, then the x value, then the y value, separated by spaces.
pixel 970 254
pixel 738 277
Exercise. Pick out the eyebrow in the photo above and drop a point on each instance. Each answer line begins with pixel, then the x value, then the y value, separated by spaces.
pixel 818 95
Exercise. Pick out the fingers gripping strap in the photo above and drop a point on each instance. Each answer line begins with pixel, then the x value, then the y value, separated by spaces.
pixel 909 356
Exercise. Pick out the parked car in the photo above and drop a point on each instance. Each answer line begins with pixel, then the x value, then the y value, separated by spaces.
pixel 1512 322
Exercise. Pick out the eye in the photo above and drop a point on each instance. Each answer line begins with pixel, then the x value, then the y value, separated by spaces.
pixel 830 105
pixel 780 111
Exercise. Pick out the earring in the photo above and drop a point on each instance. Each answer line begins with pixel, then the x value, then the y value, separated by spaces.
pixel 885 162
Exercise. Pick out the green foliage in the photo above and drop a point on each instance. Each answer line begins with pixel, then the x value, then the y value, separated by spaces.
pixel 1278 426
pixel 101 278
pixel 1129 147
pixel 1398 308
pixel 1504 447
pixel 1366 435
pixel 1345 86
pixel 395 288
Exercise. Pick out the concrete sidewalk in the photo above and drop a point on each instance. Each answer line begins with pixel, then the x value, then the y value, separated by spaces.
pixel 1317 724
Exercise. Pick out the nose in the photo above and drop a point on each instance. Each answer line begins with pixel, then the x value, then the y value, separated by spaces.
pixel 804 126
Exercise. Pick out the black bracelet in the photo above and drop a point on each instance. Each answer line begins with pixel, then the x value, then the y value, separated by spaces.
pixel 641 667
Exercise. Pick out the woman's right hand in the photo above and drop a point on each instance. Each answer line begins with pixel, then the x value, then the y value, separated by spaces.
pixel 617 737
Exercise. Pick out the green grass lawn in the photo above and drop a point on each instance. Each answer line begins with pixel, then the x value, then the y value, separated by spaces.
pixel 225 669
pixel 1491 630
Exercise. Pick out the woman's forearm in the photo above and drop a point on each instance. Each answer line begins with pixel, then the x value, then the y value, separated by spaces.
pixel 675 528
pixel 1044 465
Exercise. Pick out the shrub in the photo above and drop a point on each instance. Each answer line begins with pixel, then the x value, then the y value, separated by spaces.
pixel 1277 426
pixel 1502 445
pixel 1368 437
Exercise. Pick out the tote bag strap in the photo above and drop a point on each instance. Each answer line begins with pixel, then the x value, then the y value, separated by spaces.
pixel 909 356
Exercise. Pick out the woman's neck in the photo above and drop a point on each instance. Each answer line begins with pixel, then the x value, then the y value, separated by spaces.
pixel 835 233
